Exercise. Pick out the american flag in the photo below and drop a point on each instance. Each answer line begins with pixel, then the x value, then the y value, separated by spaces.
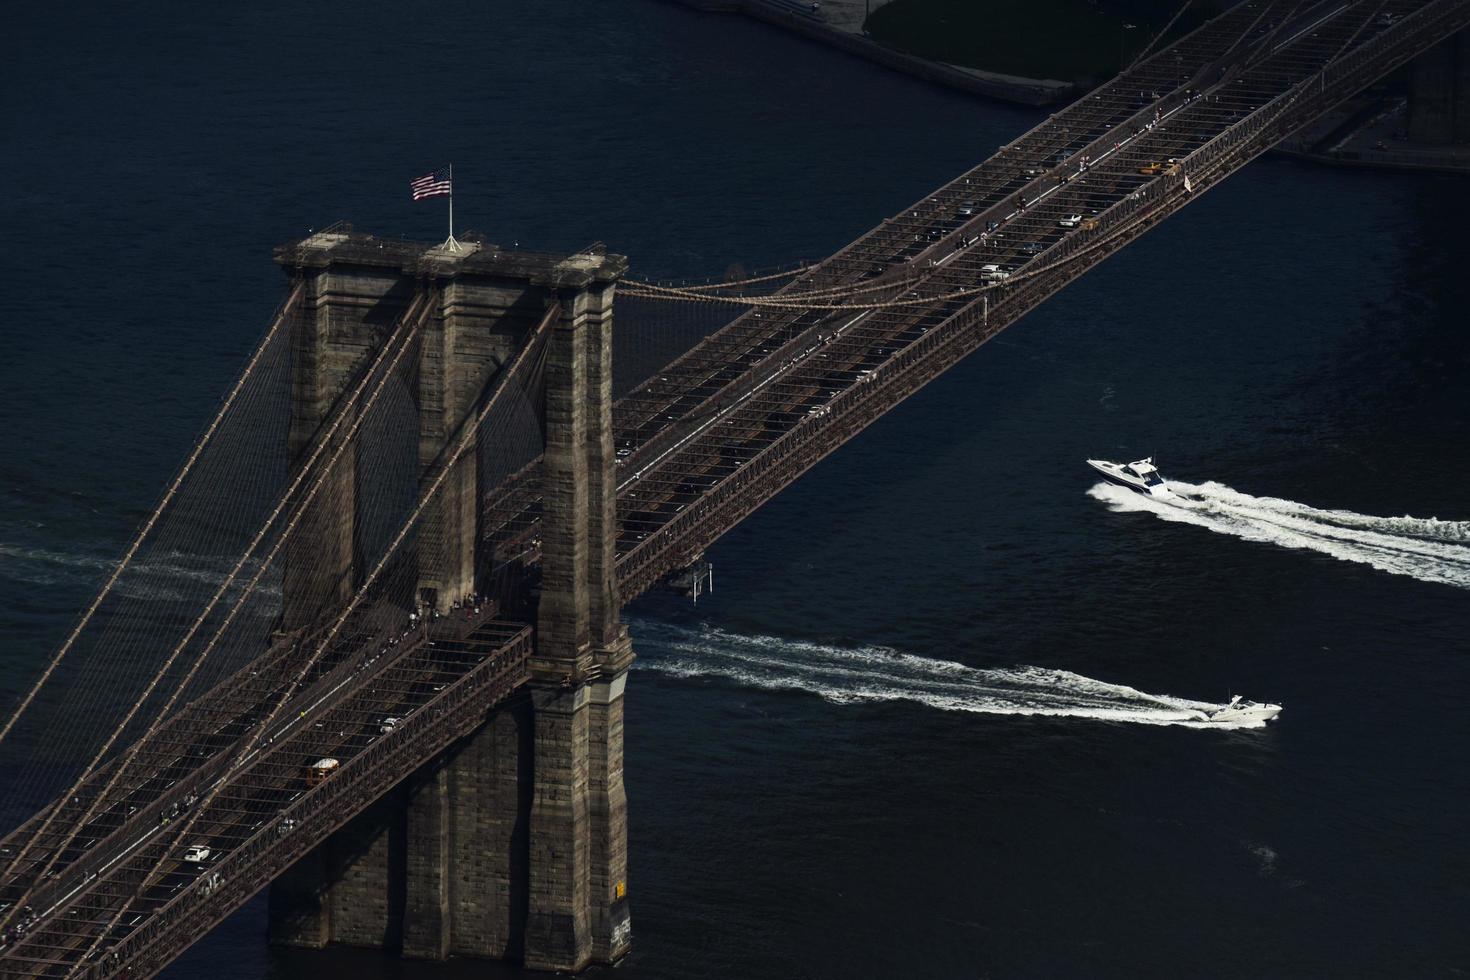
pixel 432 185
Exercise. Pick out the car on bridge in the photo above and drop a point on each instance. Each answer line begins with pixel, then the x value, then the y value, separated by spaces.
pixel 318 771
pixel 993 273
pixel 1070 221
pixel 1155 168
pixel 197 854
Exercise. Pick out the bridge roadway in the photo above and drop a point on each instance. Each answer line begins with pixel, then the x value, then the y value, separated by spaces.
pixel 435 679
pixel 745 412
pixel 707 441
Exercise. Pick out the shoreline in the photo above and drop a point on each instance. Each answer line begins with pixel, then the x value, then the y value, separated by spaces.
pixel 796 17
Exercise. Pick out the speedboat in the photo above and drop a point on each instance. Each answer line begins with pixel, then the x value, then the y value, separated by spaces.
pixel 1242 712
pixel 1141 476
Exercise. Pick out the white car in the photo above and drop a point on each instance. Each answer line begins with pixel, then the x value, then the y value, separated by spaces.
pixel 388 725
pixel 993 273
pixel 1070 221
pixel 197 854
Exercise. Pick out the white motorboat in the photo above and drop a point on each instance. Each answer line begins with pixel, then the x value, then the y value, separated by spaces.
pixel 1140 476
pixel 1242 712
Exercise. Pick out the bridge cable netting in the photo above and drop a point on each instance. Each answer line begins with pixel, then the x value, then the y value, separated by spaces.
pixel 507 409
pixel 285 314
pixel 154 597
pixel 512 378
pixel 398 344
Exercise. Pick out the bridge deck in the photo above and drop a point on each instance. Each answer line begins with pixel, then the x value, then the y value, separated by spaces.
pixel 269 800
pixel 714 435
pixel 697 427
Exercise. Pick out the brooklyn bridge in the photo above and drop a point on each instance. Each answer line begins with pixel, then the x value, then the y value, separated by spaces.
pixel 436 495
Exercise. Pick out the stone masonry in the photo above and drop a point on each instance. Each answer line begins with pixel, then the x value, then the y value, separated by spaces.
pixel 513 843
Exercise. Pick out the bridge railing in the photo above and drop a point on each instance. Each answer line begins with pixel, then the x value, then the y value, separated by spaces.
pixel 242 872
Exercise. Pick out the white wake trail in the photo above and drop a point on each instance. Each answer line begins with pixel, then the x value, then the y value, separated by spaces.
pixel 162 578
pixel 1426 528
pixel 844 675
pixel 1427 549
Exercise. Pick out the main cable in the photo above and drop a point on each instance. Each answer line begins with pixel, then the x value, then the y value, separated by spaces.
pixel 413 316
pixel 153 517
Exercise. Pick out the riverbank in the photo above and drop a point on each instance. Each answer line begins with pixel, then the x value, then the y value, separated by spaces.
pixel 1085 42
pixel 839 24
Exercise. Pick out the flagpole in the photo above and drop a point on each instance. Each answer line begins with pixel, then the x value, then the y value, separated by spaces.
pixel 450 244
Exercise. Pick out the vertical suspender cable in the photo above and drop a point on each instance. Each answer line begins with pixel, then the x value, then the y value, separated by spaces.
pixel 264 724
pixel 411 320
pixel 286 310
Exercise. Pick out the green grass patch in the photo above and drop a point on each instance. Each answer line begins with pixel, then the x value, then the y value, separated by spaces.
pixel 1070 40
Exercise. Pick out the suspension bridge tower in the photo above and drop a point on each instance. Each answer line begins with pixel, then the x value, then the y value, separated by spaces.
pixel 1439 93
pixel 512 844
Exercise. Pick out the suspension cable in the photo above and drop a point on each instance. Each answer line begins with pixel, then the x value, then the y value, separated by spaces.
pixel 286 310
pixel 413 317
pixel 800 270
pixel 264 724
pixel 1156 38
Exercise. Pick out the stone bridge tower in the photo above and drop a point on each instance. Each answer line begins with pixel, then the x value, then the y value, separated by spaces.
pixel 513 843
pixel 1439 93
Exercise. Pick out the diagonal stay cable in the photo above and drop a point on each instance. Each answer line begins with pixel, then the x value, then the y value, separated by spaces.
pixel 445 466
pixel 411 322
pixel 137 747
pixel 281 317
pixel 115 641
pixel 1157 37
pixel 1353 37
pixel 159 595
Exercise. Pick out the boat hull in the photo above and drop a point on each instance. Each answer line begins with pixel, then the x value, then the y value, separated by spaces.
pixel 1113 473
pixel 1255 714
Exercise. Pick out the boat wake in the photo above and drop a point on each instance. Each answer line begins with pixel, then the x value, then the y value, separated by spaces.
pixel 1423 548
pixel 173 577
pixel 861 675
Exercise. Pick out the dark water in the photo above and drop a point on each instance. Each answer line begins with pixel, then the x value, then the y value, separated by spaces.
pixel 1297 334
